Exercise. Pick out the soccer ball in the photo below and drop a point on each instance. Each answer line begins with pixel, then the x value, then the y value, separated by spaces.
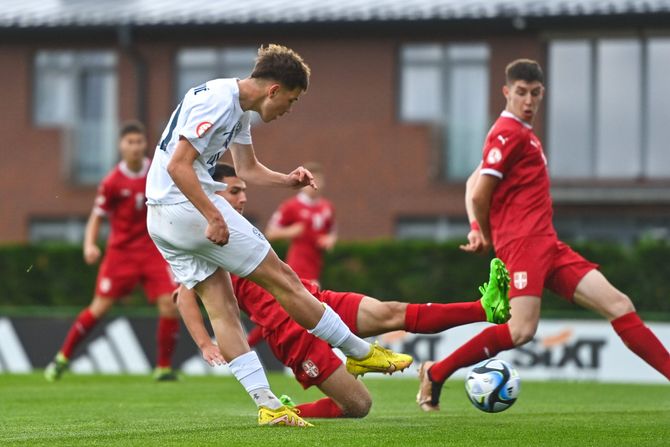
pixel 493 385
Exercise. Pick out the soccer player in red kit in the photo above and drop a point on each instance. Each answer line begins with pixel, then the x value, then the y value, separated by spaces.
pixel 510 208
pixel 312 359
pixel 307 220
pixel 131 256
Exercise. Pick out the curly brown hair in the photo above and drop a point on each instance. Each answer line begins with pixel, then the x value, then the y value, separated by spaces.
pixel 281 64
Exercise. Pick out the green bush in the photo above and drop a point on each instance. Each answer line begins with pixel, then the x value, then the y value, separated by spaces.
pixel 414 271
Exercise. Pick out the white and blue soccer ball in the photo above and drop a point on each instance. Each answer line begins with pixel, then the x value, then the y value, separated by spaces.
pixel 493 385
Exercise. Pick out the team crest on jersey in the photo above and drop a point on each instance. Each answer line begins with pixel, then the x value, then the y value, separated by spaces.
pixel 258 234
pixel 202 128
pixel 310 368
pixel 494 156
pixel 105 285
pixel 520 280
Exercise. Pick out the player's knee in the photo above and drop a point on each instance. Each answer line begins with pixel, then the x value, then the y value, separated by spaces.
pixel 523 334
pixel 358 408
pixel 619 304
pixel 391 314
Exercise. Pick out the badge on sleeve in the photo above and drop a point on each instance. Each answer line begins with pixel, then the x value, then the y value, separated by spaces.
pixel 202 128
pixel 494 156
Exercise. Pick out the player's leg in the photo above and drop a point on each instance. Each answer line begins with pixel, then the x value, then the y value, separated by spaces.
pixel 529 262
pixel 195 262
pixel 376 317
pixel 596 293
pixel 347 397
pixel 116 278
pixel 159 287
pixel 314 363
pixel 518 330
pixel 216 294
pixel 277 278
pixel 167 334
pixel 86 320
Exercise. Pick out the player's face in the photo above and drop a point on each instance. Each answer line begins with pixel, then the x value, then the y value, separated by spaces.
pixel 278 101
pixel 523 99
pixel 235 193
pixel 320 183
pixel 133 147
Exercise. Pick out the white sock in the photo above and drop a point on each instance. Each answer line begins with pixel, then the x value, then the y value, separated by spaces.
pixel 332 329
pixel 248 370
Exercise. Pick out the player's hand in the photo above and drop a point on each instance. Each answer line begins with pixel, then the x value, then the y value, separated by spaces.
pixel 326 241
pixel 217 231
pixel 301 177
pixel 476 243
pixel 294 230
pixel 212 355
pixel 91 254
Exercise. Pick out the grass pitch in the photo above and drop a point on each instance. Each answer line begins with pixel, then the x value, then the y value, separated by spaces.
pixel 197 411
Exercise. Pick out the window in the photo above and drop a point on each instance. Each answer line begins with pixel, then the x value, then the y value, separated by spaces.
pixel 431 228
pixel 448 86
pixel 70 230
pixel 619 228
pixel 607 99
pixel 77 91
pixel 198 65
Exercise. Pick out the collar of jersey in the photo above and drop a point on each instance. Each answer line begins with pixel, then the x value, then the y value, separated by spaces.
pixel 307 200
pixel 507 114
pixel 123 167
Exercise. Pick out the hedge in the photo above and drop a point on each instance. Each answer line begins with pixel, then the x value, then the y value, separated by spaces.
pixel 415 271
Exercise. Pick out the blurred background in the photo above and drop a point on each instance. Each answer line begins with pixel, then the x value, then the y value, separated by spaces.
pixel 401 97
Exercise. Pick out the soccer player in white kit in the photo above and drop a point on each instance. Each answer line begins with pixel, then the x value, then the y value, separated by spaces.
pixel 203 238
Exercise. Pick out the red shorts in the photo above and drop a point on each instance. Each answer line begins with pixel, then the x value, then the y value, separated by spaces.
pixel 121 271
pixel 312 359
pixel 540 262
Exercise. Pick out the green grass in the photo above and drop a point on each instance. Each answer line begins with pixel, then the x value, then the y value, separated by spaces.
pixel 198 411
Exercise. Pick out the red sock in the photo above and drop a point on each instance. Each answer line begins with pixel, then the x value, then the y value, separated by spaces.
pixel 488 343
pixel 166 337
pixel 639 339
pixel 431 318
pixel 254 336
pixel 80 328
pixel 322 408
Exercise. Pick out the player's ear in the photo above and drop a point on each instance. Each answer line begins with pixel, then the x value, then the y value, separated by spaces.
pixel 273 90
pixel 505 90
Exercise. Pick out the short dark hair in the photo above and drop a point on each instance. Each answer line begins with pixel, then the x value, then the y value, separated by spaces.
pixel 524 70
pixel 132 127
pixel 222 170
pixel 281 64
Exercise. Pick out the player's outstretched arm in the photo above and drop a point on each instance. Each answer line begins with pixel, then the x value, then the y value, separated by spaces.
pixel 187 303
pixel 253 171
pixel 91 249
pixel 478 192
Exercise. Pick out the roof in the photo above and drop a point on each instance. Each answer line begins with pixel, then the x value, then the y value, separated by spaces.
pixel 74 13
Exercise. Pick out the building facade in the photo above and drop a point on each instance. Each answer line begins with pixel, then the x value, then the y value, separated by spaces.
pixel 401 97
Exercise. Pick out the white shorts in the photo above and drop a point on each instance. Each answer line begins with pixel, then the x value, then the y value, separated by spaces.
pixel 178 231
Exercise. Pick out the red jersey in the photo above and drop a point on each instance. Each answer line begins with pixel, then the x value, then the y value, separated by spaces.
pixel 521 205
pixel 260 305
pixel 121 198
pixel 318 218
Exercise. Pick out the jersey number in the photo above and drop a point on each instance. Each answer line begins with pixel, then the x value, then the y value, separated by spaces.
pixel 173 124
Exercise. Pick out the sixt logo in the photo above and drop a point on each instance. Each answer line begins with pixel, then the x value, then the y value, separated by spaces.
pixel 560 351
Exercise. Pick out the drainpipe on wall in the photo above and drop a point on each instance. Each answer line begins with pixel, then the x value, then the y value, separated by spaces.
pixel 127 45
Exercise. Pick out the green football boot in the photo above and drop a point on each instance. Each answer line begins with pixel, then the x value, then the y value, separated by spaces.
pixel 56 368
pixel 287 401
pixel 495 293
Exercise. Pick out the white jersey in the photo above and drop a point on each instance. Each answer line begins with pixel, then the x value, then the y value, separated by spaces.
pixel 210 118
